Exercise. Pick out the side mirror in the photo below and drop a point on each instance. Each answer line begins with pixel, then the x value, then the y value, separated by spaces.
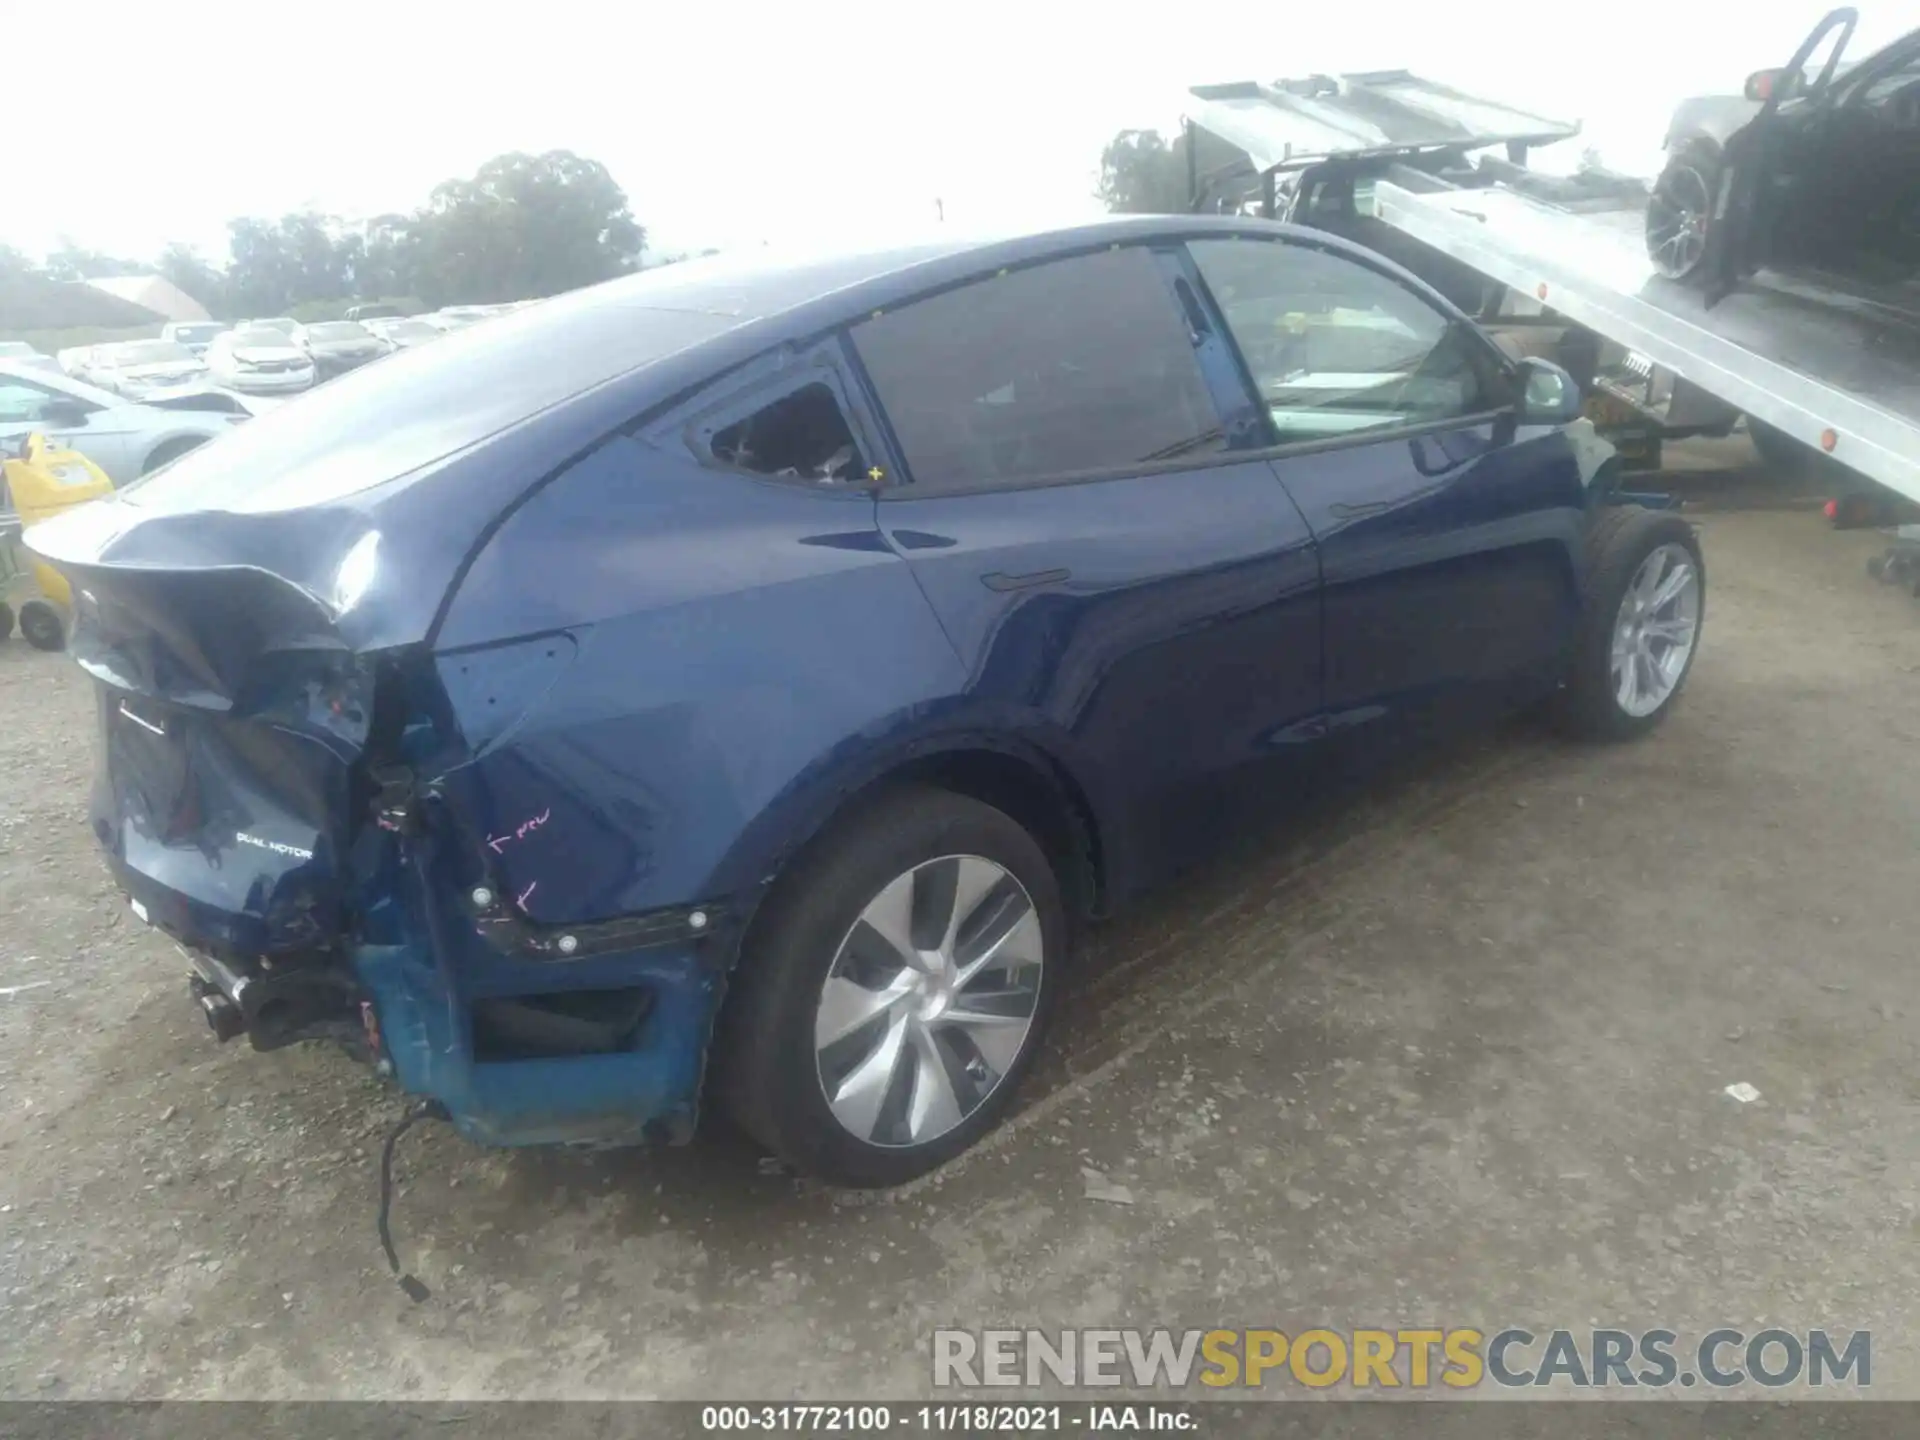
pixel 1548 394
pixel 1762 84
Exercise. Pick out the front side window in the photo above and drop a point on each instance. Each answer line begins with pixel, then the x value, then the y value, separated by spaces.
pixel 1067 367
pixel 1337 348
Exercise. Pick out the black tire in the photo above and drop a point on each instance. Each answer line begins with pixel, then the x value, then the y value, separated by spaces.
pixel 766 1073
pixel 1679 234
pixel 170 452
pixel 6 620
pixel 1620 540
pixel 41 626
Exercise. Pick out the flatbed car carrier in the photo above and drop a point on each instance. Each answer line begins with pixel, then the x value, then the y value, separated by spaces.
pixel 1437 179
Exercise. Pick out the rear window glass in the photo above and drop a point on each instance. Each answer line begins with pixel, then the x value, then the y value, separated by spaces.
pixel 1076 365
pixel 420 405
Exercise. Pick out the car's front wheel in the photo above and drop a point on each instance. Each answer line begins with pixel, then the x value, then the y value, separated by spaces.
pixel 1645 599
pixel 894 992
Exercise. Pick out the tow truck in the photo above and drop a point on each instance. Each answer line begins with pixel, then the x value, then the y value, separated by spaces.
pixel 1568 267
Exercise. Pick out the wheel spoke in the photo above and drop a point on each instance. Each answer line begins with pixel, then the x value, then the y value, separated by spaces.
pixel 935 1108
pixel 996 1037
pixel 862 1094
pixel 1012 937
pixel 846 1006
pixel 1675 632
pixel 1652 683
pixel 1626 681
pixel 1677 580
pixel 973 881
pixel 890 917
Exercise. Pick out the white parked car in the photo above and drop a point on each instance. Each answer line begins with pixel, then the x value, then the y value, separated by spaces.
pixel 455 317
pixel 337 346
pixel 196 335
pixel 259 361
pixel 134 368
pixel 123 438
pixel 403 333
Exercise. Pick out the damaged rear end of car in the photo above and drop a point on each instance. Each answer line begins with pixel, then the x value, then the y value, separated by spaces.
pixel 287 780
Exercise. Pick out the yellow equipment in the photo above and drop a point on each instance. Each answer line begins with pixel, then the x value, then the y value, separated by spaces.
pixel 41 481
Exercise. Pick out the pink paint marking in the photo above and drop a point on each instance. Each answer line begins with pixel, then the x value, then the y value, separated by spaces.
pixel 521 899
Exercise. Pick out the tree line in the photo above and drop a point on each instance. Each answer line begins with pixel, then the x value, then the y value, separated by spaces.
pixel 523 227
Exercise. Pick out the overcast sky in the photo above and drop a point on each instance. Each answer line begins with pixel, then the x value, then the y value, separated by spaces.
pixel 728 124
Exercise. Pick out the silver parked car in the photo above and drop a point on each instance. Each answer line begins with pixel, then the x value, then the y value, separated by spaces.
pixel 259 360
pixel 135 368
pixel 123 438
pixel 337 346
pixel 404 333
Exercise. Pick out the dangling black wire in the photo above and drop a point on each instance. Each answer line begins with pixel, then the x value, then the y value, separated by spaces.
pixel 428 1110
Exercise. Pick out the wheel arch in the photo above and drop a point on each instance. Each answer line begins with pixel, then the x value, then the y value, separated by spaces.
pixel 1019 777
pixel 170 448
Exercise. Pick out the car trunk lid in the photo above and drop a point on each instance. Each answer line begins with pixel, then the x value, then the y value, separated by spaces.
pixel 232 721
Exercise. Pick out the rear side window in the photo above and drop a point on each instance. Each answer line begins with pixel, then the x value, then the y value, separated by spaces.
pixel 1335 347
pixel 802 435
pixel 1072 366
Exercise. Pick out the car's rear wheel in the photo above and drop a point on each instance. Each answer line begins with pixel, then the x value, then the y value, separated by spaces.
pixel 1680 211
pixel 895 990
pixel 41 626
pixel 170 452
pixel 1645 601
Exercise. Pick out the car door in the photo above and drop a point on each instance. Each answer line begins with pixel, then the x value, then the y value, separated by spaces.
pixel 1449 535
pixel 1110 571
pixel 108 435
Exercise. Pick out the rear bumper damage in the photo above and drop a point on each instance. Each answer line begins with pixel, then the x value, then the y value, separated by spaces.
pixel 522 1039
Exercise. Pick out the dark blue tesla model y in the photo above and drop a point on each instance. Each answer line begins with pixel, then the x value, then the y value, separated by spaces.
pixel 730 686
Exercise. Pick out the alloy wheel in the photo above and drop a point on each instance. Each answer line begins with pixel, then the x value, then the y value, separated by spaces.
pixel 929 1001
pixel 1654 630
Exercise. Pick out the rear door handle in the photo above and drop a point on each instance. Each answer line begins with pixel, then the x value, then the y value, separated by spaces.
pixel 1354 512
pixel 999 580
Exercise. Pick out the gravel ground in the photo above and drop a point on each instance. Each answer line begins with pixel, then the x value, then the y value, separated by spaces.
pixel 1456 1054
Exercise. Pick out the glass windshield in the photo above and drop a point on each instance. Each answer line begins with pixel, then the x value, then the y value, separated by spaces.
pixel 195 332
pixel 339 330
pixel 389 419
pixel 146 352
pixel 16 349
pixel 257 335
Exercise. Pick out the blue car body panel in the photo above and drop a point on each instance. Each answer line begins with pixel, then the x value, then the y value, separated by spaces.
pixel 471 674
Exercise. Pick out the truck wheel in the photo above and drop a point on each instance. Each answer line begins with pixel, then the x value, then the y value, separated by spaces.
pixel 894 990
pixel 1680 211
pixel 1645 599
pixel 40 626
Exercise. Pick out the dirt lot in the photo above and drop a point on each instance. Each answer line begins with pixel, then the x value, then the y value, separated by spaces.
pixel 1456 1055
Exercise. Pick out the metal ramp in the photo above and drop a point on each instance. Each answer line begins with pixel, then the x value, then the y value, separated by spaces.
pixel 1835 379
